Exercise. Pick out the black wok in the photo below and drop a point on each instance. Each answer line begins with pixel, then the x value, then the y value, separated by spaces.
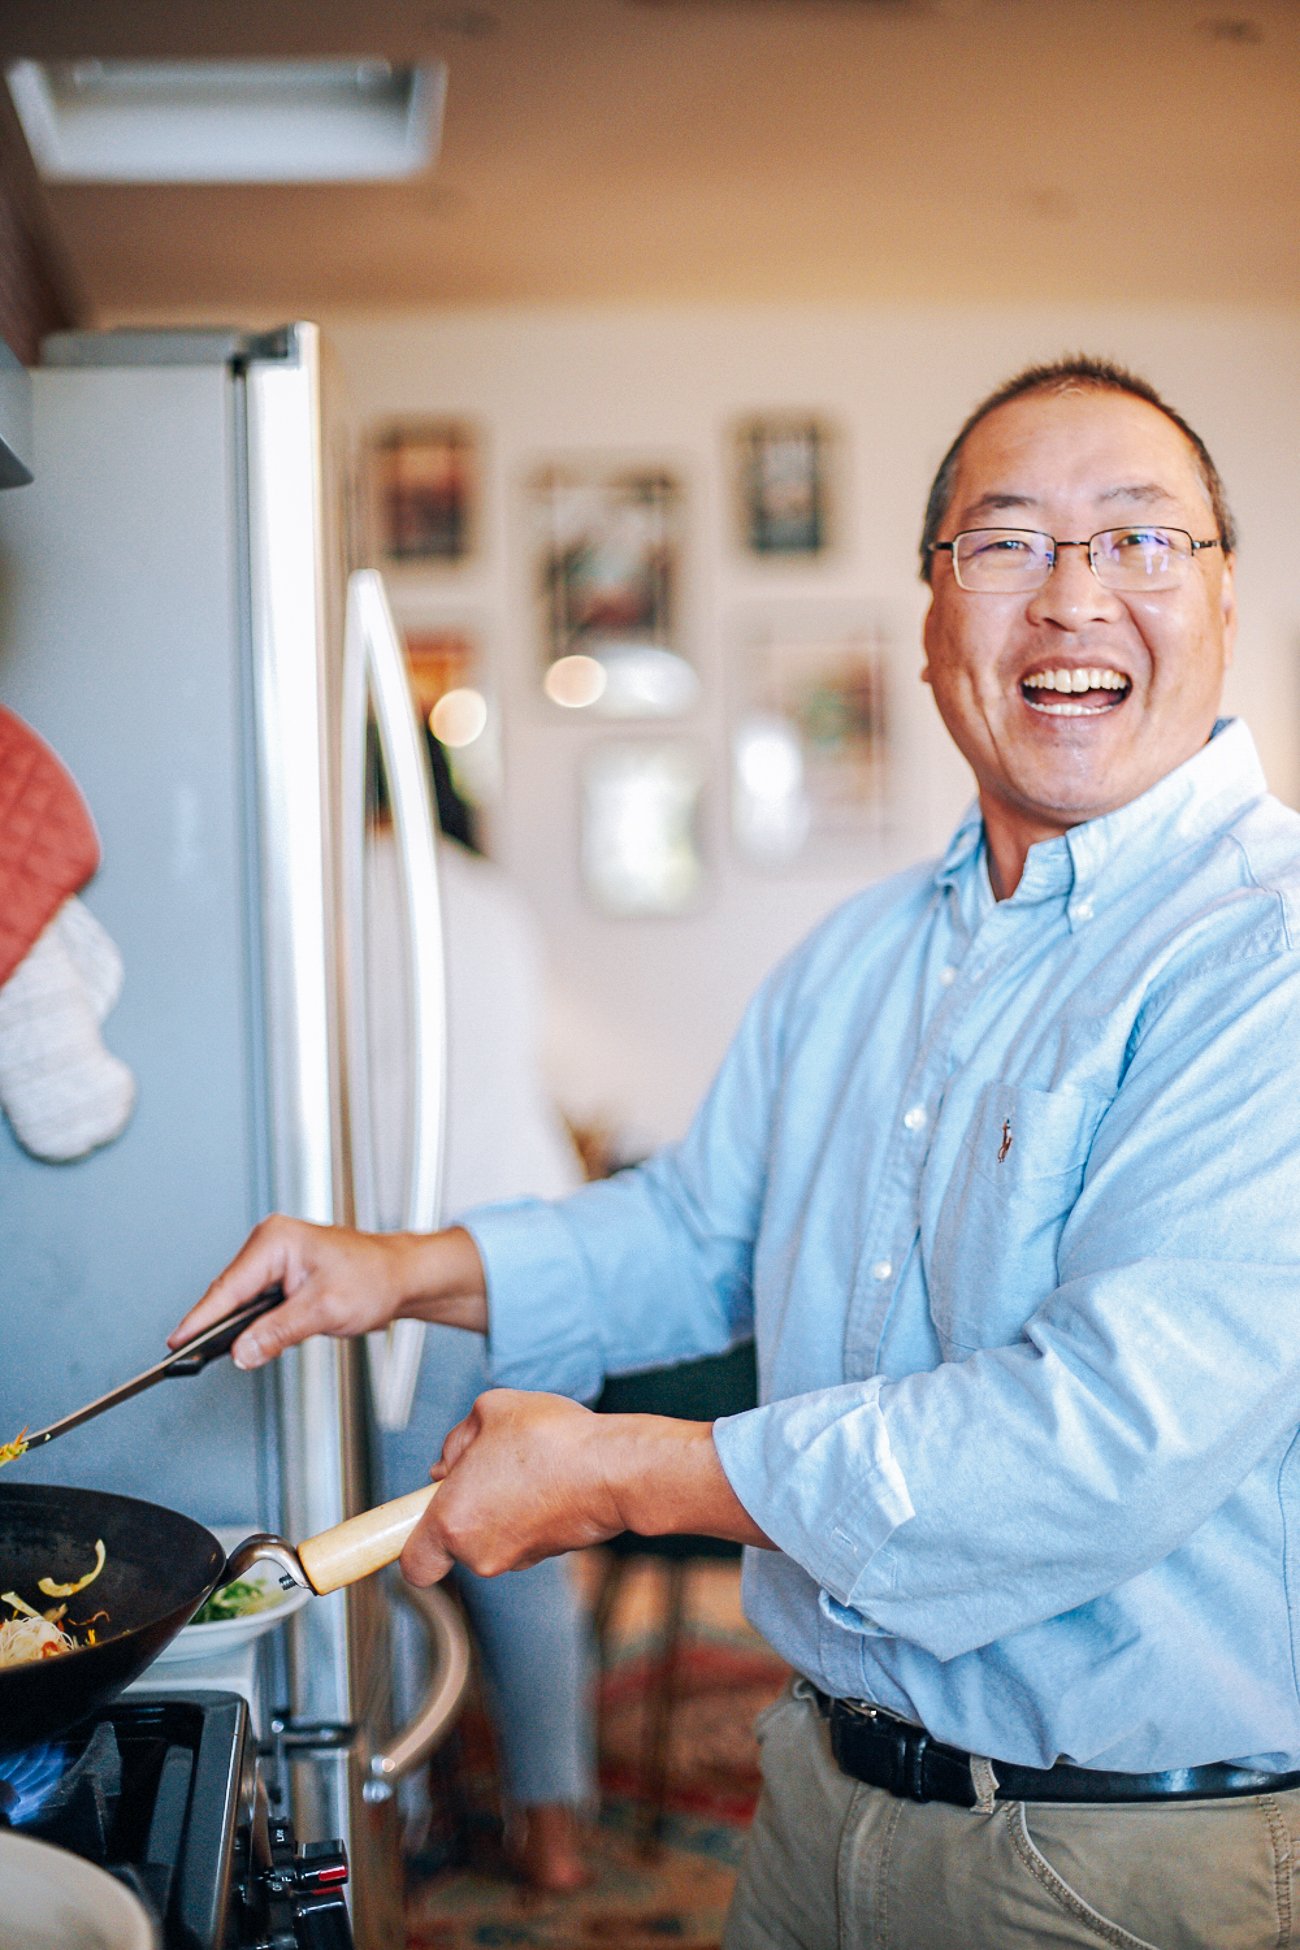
pixel 160 1566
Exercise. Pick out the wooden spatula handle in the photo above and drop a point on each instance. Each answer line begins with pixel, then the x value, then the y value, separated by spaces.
pixel 364 1543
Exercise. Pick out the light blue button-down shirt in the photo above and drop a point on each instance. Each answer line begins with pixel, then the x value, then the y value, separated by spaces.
pixel 1009 1194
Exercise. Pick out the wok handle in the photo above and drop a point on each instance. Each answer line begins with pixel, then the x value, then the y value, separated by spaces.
pixel 364 1543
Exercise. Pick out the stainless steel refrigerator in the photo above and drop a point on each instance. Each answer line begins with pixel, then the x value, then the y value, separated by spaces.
pixel 184 617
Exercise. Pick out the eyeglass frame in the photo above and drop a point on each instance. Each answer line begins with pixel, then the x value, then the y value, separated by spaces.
pixel 950 548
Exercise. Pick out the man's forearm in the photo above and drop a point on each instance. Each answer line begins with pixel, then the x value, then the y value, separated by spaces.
pixel 528 1475
pixel 665 1477
pixel 442 1279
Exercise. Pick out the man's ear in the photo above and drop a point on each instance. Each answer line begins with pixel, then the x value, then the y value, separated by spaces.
pixel 925 642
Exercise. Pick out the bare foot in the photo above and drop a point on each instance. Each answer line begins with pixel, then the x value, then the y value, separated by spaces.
pixel 542 1848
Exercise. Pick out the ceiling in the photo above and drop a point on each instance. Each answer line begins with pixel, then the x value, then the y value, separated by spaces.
pixel 665 151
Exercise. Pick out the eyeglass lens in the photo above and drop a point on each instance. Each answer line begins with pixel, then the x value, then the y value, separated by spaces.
pixel 1021 558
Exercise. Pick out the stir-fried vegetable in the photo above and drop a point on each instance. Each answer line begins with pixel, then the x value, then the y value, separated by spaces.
pixel 21 1605
pixel 234 1600
pixel 53 1590
pixel 31 1634
pixel 31 1637
pixel 10 1451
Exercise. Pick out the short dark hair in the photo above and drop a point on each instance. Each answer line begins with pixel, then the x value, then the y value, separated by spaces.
pixel 1071 375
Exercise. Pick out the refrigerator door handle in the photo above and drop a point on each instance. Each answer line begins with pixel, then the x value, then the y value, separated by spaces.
pixel 375 674
pixel 449 1670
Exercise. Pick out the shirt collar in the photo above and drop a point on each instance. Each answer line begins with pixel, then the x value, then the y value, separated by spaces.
pixel 1105 856
pixel 965 842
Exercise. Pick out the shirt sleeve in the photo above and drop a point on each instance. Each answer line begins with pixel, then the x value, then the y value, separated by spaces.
pixel 652 1266
pixel 954 1507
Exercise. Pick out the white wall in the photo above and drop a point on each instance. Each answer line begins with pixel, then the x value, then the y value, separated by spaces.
pixel 649 1005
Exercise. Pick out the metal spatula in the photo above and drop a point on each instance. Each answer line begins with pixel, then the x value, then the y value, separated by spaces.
pixel 187 1360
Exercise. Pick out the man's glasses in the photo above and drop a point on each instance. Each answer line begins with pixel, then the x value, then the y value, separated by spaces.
pixel 1016 561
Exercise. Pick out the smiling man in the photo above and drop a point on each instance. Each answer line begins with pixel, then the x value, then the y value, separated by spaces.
pixel 1002 1173
pixel 1088 668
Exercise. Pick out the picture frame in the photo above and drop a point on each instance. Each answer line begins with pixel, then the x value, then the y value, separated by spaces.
pixel 424 491
pixel 441 658
pixel 783 484
pixel 809 735
pixel 454 695
pixel 641 826
pixel 607 551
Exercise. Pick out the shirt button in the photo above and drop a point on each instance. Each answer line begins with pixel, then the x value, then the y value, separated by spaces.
pixel 882 1269
pixel 1081 911
pixel 947 976
pixel 914 1119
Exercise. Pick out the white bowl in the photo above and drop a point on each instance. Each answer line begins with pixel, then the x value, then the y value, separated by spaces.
pixel 55 1901
pixel 224 1635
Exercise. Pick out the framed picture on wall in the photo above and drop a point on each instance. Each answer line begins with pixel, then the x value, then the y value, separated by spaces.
pixel 424 490
pixel 809 735
pixel 640 826
pixel 783 484
pixel 443 660
pixel 607 549
pixel 452 687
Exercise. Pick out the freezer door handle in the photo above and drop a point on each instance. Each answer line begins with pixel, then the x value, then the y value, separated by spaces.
pixel 449 1675
pixel 375 677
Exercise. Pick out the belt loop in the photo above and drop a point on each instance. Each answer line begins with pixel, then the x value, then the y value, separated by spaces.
pixel 985 1782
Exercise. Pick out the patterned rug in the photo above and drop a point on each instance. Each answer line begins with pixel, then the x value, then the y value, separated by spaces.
pixel 671 1895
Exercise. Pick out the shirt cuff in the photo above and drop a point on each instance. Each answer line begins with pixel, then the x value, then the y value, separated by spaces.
pixel 540 1317
pixel 818 1475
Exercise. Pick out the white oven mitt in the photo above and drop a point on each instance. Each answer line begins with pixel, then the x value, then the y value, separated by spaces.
pixel 63 1092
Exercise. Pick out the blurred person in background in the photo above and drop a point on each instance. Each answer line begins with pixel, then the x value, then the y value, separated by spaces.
pixel 505 1140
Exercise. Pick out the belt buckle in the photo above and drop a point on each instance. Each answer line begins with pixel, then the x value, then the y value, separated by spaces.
pixel 862 1709
pixel 907 1746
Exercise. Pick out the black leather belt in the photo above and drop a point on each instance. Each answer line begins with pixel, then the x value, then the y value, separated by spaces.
pixel 876 1747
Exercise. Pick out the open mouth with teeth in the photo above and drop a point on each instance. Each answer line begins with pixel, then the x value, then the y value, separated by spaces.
pixel 1087 692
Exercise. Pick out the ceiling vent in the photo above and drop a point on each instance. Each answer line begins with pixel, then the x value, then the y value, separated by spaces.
pixel 228 121
pixel 789 6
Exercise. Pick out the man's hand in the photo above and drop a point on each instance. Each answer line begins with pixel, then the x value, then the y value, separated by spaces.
pixel 526 1476
pixel 342 1283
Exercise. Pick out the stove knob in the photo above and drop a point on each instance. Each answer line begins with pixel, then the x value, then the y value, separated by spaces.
pixel 322 1923
pixel 320 1865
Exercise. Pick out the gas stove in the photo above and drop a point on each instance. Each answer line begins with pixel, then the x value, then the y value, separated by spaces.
pixel 171 1794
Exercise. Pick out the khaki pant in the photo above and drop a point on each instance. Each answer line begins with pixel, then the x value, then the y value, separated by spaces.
pixel 834 1865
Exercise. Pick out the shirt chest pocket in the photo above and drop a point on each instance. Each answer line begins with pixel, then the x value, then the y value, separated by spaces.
pixel 995 1221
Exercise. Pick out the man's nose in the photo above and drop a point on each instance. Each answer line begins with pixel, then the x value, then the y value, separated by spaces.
pixel 1072 596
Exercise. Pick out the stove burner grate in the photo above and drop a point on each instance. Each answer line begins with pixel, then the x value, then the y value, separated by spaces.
pixel 166 1793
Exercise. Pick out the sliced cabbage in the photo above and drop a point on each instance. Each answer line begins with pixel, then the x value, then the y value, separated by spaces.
pixel 30 1637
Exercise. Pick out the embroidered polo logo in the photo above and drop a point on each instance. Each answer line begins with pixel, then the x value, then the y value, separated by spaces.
pixel 1005 1145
